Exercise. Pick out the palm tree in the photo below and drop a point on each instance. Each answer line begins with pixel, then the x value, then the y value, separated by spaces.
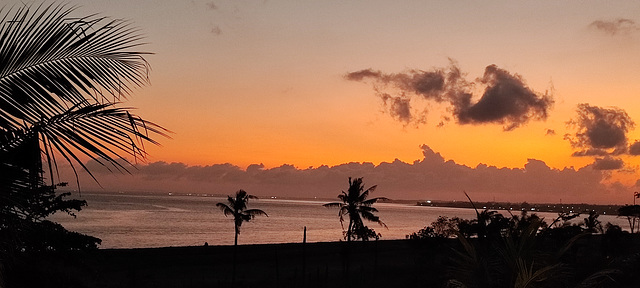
pixel 354 203
pixel 238 208
pixel 61 82
pixel 62 79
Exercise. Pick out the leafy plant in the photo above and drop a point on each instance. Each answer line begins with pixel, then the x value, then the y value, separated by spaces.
pixel 61 82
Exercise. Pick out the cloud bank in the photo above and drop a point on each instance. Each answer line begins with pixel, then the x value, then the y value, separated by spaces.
pixel 506 99
pixel 432 177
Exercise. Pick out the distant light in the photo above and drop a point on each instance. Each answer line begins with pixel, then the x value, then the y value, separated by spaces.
pixel 429 201
pixel 484 207
pixel 533 209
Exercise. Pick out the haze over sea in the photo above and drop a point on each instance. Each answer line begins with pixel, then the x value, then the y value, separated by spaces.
pixel 152 220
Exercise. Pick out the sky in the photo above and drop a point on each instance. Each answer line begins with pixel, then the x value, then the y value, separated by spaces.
pixel 508 100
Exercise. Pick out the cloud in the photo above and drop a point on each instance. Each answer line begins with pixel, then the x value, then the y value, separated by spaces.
pixel 608 163
pixel 550 132
pixel 599 131
pixel 399 108
pixel 211 6
pixel 590 152
pixel 634 149
pixel 613 27
pixel 363 74
pixel 216 30
pixel 432 177
pixel 506 100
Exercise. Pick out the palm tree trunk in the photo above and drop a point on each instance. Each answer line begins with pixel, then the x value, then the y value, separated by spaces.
pixel 235 257
pixel 235 242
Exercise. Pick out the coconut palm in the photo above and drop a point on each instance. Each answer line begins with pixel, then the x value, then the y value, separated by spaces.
pixel 62 79
pixel 61 82
pixel 237 207
pixel 356 206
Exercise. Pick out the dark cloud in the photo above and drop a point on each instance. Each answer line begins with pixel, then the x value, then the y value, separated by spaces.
pixel 212 6
pixel 634 149
pixel 590 152
pixel 599 130
pixel 613 27
pixel 550 132
pixel 216 30
pixel 432 177
pixel 428 84
pixel 608 163
pixel 399 108
pixel 506 100
pixel 363 74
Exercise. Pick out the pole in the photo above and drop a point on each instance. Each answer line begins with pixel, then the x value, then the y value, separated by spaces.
pixel 304 257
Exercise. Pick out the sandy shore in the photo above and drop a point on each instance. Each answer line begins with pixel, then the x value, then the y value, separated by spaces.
pixel 386 263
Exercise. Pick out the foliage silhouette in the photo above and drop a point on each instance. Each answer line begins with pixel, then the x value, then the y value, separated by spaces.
pixel 632 213
pixel 356 206
pixel 237 207
pixel 61 82
pixel 592 224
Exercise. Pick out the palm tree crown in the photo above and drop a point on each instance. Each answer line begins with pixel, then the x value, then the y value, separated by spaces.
pixel 61 80
pixel 237 207
pixel 356 206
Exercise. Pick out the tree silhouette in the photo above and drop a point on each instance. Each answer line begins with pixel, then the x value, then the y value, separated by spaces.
pixel 592 224
pixel 632 213
pixel 356 206
pixel 237 207
pixel 61 81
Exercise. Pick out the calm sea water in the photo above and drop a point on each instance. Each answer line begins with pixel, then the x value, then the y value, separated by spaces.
pixel 134 221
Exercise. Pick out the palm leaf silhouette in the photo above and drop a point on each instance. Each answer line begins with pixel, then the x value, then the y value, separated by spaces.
pixel 61 81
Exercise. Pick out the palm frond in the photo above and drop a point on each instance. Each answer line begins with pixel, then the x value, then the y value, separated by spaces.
pixel 333 204
pixel 225 209
pixel 366 193
pixel 374 200
pixel 99 131
pixel 48 62
pixel 255 212
pixel 367 209
pixel 61 79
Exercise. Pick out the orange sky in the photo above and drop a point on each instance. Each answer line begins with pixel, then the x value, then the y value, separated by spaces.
pixel 245 82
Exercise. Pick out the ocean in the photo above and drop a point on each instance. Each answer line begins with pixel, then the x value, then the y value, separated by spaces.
pixel 141 221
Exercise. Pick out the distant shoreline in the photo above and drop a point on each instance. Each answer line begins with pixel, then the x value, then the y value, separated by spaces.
pixel 603 209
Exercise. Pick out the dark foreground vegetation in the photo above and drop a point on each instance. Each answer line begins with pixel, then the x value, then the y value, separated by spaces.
pixel 429 262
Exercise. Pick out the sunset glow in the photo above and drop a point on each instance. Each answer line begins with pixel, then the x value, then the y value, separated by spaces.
pixel 251 82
